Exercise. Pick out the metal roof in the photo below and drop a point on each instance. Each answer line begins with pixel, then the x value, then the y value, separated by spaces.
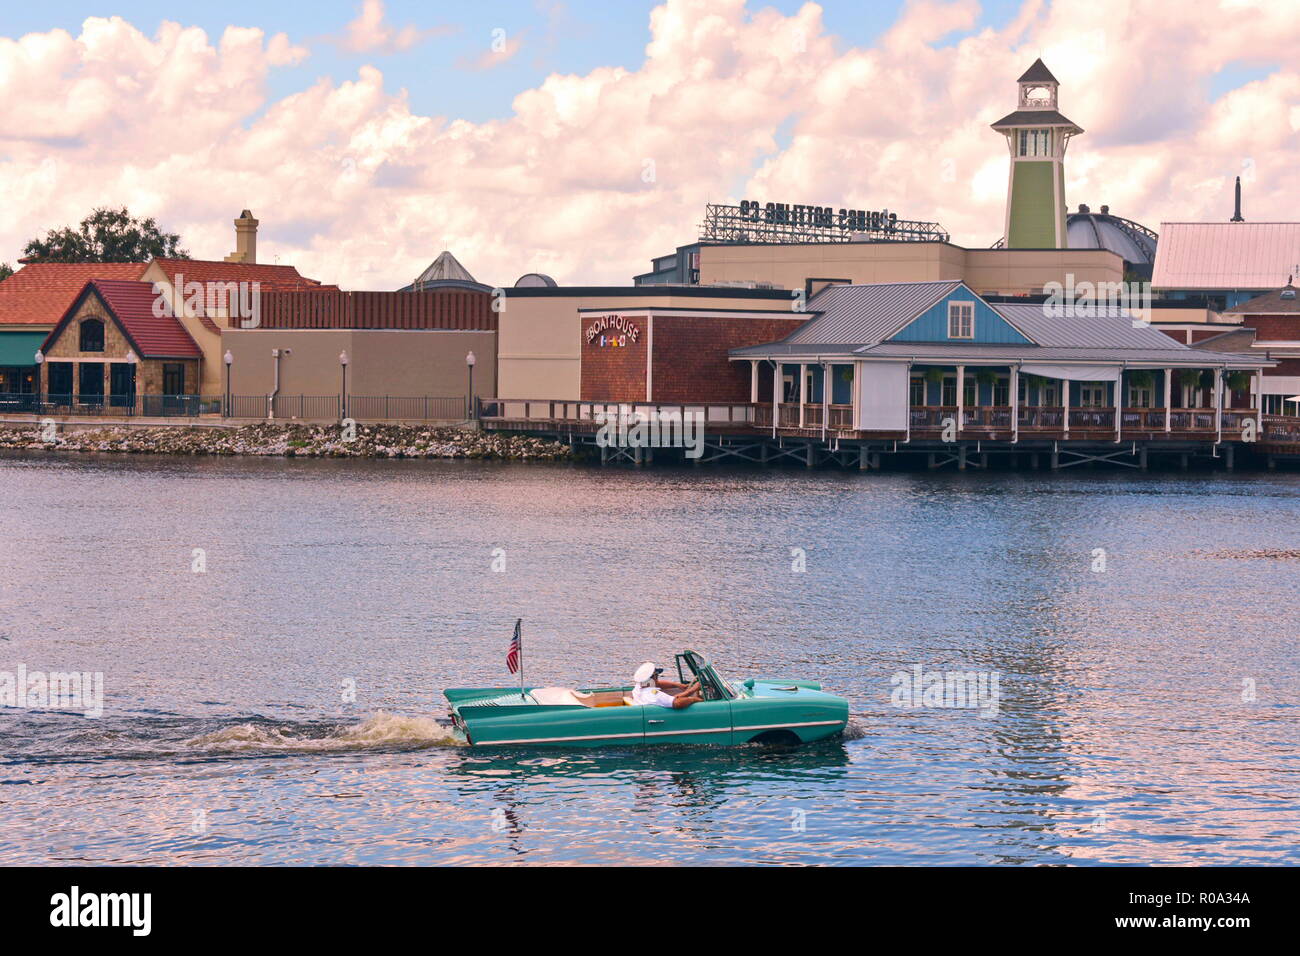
pixel 1226 255
pixel 1111 328
pixel 862 314
pixel 951 354
pixel 1035 118
pixel 1037 73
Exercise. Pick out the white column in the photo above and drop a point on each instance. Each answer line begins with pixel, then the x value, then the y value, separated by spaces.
pixel 961 396
pixel 1117 401
pixel 803 391
pixel 1169 398
pixel 777 373
pixel 1014 389
pixel 753 381
pixel 1218 404
pixel 1065 406
pixel 1259 404
pixel 826 397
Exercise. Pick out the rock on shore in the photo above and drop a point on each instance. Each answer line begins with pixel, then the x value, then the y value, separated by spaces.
pixel 291 441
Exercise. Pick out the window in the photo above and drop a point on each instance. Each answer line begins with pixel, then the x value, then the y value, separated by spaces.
pixel 948 394
pixel 970 392
pixel 90 383
pixel 121 384
pixel 1002 391
pixel 1022 391
pixel 92 336
pixel 1139 396
pixel 59 382
pixel 961 320
pixel 1035 142
pixel 1049 395
pixel 1092 395
pixel 173 378
pixel 916 393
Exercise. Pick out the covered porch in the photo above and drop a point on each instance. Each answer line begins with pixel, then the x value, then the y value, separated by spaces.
pixel 828 398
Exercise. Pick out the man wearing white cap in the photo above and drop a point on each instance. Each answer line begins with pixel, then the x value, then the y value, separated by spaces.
pixel 649 688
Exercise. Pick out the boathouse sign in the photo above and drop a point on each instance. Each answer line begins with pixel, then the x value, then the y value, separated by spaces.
pixel 613 330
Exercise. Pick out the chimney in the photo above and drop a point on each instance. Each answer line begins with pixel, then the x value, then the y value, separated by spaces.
pixel 245 239
pixel 1236 216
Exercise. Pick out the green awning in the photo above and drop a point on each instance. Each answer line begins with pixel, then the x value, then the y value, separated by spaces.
pixel 19 348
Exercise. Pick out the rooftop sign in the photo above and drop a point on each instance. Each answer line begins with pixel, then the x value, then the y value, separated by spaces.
pixel 784 222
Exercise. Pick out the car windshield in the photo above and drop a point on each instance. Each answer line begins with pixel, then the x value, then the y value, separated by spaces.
pixel 715 688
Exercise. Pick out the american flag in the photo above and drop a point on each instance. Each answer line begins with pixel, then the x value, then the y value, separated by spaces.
pixel 516 647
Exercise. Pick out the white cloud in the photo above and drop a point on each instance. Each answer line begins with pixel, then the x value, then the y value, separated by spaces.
pixel 353 187
pixel 368 33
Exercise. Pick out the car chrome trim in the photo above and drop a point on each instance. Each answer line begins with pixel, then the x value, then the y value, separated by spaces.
pixel 663 733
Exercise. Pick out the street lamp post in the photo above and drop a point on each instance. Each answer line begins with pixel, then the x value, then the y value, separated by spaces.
pixel 343 401
pixel 229 360
pixel 470 362
pixel 132 361
pixel 40 360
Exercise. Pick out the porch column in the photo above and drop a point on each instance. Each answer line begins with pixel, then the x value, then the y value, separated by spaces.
pixel 908 436
pixel 1169 392
pixel 826 397
pixel 1065 406
pixel 961 396
pixel 778 373
pixel 803 391
pixel 753 381
pixel 1014 386
pixel 1117 400
pixel 1218 404
pixel 1259 404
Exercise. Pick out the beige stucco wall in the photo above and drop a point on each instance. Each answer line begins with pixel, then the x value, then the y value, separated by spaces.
pixel 208 341
pixel 381 362
pixel 540 336
pixel 992 271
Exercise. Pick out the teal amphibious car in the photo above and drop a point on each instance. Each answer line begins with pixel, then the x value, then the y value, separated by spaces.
pixel 739 712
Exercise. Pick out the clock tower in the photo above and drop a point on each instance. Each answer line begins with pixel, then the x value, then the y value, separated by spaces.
pixel 1037 135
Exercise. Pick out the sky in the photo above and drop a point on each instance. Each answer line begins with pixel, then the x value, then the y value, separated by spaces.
pixel 582 138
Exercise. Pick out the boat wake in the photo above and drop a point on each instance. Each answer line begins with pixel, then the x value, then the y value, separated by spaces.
pixel 855 729
pixel 380 730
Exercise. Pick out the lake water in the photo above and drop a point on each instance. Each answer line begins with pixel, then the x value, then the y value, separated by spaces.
pixel 1148 712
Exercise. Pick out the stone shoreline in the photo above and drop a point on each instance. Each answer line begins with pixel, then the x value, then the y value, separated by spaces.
pixel 290 441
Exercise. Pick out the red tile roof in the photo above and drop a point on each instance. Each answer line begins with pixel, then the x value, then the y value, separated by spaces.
pixel 40 293
pixel 132 305
pixel 271 278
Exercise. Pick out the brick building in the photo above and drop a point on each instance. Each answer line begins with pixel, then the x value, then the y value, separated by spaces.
pixel 1271 326
pixel 655 354
pixel 111 348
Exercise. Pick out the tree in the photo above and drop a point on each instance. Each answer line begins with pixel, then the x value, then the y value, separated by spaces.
pixel 107 235
pixel 5 271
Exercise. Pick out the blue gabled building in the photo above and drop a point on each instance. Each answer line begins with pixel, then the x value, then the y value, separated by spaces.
pixel 935 360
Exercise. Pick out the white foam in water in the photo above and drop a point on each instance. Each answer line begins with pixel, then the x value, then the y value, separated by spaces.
pixel 378 730
pixel 855 729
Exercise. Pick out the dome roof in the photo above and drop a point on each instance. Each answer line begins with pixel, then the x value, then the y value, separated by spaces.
pixel 1131 241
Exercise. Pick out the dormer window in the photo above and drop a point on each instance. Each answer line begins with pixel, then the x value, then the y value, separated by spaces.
pixel 961 320
pixel 1035 142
